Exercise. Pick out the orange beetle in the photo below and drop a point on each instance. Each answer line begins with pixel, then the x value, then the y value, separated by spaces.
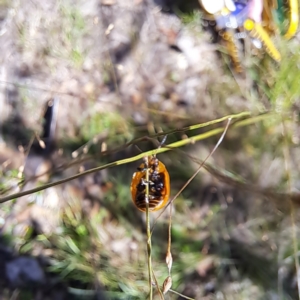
pixel 159 185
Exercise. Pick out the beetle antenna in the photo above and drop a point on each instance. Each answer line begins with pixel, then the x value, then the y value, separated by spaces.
pixel 163 141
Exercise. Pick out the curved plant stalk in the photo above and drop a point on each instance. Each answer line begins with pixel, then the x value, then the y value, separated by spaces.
pixel 240 183
pixel 178 144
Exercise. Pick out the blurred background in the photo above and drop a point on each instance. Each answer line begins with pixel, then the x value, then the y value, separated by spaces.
pixel 80 80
